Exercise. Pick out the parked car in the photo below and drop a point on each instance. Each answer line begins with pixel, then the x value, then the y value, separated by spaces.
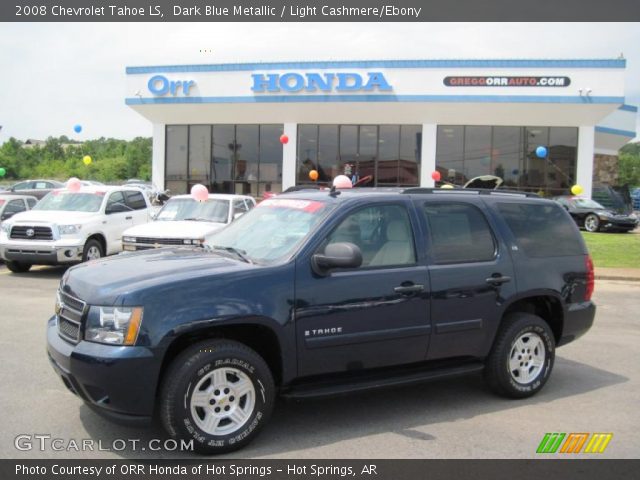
pixel 594 217
pixel 320 293
pixel 69 227
pixel 12 204
pixel 35 188
pixel 615 198
pixel 185 221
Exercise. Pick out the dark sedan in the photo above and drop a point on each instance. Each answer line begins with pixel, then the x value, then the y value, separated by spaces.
pixel 594 217
pixel 35 188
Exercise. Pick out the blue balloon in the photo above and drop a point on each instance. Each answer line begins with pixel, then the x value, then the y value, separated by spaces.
pixel 541 152
pixel 77 128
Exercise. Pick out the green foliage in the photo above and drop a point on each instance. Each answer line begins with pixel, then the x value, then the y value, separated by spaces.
pixel 113 159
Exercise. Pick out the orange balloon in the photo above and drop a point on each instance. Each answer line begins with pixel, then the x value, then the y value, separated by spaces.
pixel 313 175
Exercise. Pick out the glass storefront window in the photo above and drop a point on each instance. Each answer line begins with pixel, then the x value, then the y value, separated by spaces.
pixel 176 158
pixel 270 172
pixel 464 152
pixel 199 154
pixel 328 157
pixel 410 148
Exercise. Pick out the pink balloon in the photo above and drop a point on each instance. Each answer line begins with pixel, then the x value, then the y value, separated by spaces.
pixel 342 181
pixel 436 175
pixel 73 184
pixel 200 192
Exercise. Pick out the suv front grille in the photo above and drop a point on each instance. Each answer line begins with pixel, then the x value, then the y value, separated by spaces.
pixel 22 232
pixel 70 316
pixel 160 241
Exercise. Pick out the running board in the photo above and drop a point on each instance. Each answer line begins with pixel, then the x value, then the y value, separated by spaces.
pixel 375 381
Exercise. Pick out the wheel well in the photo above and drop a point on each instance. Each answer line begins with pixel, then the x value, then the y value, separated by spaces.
pixel 546 307
pixel 259 338
pixel 99 238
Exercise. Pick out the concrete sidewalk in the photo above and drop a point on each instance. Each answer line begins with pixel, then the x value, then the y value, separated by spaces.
pixel 629 274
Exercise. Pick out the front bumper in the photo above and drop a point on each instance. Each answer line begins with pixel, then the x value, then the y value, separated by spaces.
pixel 578 319
pixel 117 382
pixel 42 252
pixel 618 224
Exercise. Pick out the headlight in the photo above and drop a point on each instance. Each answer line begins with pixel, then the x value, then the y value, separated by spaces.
pixel 69 229
pixel 198 241
pixel 129 239
pixel 113 325
pixel 5 227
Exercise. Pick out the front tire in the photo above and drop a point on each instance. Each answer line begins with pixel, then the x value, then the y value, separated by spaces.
pixel 219 393
pixel 93 250
pixel 18 267
pixel 592 223
pixel 522 356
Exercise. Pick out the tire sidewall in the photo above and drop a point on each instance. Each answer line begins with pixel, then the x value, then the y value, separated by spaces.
pixel 534 386
pixel 208 360
pixel 88 245
pixel 597 224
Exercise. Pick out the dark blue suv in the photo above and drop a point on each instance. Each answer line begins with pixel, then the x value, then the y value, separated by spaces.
pixel 316 293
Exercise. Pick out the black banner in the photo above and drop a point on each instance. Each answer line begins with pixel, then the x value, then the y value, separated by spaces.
pixel 317 10
pixel 319 469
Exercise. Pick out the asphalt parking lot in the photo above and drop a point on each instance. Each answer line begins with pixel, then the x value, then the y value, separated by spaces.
pixel 595 387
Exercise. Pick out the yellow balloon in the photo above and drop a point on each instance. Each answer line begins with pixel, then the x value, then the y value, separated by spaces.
pixel 87 160
pixel 576 190
pixel 446 185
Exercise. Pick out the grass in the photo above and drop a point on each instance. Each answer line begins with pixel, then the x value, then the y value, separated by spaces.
pixel 614 250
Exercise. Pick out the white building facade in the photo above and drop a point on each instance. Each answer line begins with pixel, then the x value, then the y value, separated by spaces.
pixel 383 123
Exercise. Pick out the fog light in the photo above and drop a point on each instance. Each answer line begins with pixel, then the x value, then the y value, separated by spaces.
pixel 69 253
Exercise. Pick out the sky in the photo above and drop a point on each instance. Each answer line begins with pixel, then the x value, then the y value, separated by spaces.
pixel 56 75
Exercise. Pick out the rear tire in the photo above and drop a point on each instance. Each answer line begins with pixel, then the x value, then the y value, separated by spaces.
pixel 18 267
pixel 93 250
pixel 218 393
pixel 522 356
pixel 592 223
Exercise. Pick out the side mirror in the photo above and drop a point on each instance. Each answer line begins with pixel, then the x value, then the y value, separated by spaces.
pixel 337 255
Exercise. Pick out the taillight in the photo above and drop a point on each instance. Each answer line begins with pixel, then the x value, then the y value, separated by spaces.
pixel 590 280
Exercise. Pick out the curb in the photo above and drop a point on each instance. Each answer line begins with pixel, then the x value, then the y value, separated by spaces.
pixel 614 277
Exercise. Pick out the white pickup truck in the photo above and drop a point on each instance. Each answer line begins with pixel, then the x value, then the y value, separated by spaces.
pixel 69 227
pixel 185 221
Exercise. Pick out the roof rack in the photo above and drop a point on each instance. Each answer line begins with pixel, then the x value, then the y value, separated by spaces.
pixel 472 191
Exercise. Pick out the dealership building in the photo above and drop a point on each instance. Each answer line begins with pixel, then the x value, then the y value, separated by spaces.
pixel 385 122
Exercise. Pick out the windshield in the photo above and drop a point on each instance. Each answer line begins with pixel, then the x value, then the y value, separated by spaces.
pixel 272 231
pixel 213 210
pixel 587 203
pixel 71 201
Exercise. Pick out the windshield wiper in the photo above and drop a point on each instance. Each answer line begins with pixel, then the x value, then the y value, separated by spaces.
pixel 198 219
pixel 241 254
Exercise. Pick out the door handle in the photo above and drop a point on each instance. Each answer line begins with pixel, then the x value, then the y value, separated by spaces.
pixel 128 218
pixel 408 289
pixel 498 279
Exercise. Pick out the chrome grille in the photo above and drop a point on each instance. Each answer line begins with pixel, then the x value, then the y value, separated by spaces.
pixel 22 232
pixel 70 312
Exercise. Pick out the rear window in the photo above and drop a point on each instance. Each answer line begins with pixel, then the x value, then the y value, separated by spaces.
pixel 542 230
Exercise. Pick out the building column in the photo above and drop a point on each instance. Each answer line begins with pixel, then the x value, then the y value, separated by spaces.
pixel 584 167
pixel 289 156
pixel 428 154
pixel 157 162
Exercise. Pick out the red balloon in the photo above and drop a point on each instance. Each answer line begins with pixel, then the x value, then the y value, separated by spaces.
pixel 436 175
pixel 284 139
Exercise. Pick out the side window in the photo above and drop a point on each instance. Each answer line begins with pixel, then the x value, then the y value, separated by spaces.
pixel 115 198
pixel 41 185
pixel 383 234
pixel 22 186
pixel 32 202
pixel 239 207
pixel 542 230
pixel 13 207
pixel 135 200
pixel 459 233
